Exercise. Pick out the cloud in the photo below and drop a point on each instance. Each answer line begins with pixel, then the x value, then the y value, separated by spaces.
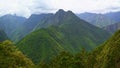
pixel 15 6
pixel 21 8
pixel 85 5
pixel 28 7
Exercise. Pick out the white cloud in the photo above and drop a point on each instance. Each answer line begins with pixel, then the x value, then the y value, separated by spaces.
pixel 85 5
pixel 28 7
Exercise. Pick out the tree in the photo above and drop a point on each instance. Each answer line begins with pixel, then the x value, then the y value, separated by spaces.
pixel 11 57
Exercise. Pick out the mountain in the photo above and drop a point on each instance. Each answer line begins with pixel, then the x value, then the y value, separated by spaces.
pixel 11 24
pixel 114 16
pixel 67 32
pixel 30 24
pixel 113 27
pixel 39 45
pixel 3 36
pixel 42 21
pixel 11 57
pixel 99 20
pixel 107 55
pixel 33 21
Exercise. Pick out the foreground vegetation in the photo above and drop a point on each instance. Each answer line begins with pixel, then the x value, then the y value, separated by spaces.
pixel 11 57
pixel 105 56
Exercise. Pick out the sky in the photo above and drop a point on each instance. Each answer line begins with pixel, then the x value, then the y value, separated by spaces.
pixel 27 7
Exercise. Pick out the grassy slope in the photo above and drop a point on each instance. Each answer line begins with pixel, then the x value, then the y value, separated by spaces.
pixel 105 56
pixel 44 43
pixel 39 45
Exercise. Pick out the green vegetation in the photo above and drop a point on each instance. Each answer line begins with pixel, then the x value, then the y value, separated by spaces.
pixel 3 36
pixel 60 40
pixel 11 57
pixel 43 48
pixel 47 42
pixel 109 56
pixel 67 32
pixel 105 56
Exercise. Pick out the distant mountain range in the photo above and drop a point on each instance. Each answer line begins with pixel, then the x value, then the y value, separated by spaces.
pixel 113 27
pixel 116 26
pixel 99 20
pixel 12 24
pixel 58 32
pixel 17 27
pixel 114 16
pixel 108 21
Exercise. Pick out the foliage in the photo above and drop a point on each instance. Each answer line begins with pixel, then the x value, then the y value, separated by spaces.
pixel 105 56
pixel 3 36
pixel 11 57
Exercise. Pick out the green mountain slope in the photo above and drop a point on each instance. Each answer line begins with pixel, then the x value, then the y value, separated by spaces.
pixel 99 20
pixel 68 33
pixel 3 36
pixel 105 56
pixel 30 24
pixel 11 57
pixel 109 53
pixel 39 45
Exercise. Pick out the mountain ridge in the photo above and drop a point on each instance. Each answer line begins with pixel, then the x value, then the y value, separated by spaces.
pixel 68 33
pixel 99 20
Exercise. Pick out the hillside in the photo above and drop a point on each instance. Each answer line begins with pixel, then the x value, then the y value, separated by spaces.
pixel 3 36
pixel 109 53
pixel 106 55
pixel 39 45
pixel 99 20
pixel 68 32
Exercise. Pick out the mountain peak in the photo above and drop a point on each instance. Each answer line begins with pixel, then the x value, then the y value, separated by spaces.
pixel 60 12
pixel 70 12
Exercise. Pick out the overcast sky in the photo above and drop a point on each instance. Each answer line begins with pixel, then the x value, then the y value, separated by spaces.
pixel 28 7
